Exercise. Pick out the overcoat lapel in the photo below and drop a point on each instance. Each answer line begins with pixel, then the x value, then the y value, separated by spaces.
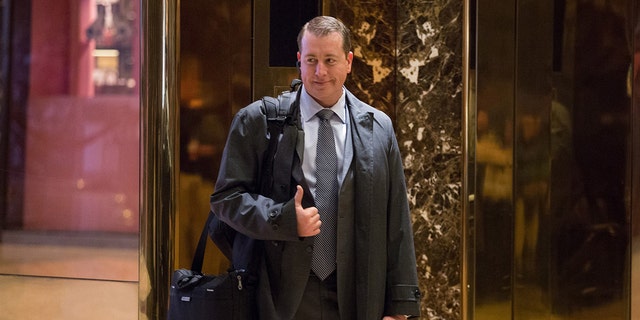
pixel 354 217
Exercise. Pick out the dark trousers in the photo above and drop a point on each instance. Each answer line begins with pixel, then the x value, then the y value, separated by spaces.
pixel 320 299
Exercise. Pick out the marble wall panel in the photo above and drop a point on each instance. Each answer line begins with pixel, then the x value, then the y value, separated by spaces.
pixel 408 63
pixel 373 77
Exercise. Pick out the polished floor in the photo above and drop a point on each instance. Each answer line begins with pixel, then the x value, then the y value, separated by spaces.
pixel 68 276
pixel 39 298
pixel 69 255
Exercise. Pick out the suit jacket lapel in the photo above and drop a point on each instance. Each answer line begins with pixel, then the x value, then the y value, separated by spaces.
pixel 296 170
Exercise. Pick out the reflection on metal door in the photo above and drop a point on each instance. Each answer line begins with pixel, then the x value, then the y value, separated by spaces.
pixel 553 139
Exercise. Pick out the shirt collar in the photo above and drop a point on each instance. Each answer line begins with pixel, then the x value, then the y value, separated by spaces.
pixel 309 106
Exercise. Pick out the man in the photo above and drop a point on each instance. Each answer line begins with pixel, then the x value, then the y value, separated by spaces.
pixel 371 269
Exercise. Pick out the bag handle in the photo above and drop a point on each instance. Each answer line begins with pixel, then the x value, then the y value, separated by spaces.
pixel 198 256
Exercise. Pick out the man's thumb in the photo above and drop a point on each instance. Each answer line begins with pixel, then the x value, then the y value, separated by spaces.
pixel 298 197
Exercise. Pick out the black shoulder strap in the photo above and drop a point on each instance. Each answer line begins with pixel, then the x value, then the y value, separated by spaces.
pixel 278 112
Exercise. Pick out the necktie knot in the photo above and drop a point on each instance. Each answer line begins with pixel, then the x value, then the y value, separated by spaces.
pixel 325 114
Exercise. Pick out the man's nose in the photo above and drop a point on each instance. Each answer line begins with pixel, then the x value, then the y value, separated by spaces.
pixel 321 69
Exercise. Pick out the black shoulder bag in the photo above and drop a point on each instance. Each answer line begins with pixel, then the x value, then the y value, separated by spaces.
pixel 232 295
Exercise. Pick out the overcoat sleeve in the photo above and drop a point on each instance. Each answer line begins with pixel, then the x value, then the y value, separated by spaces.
pixel 236 200
pixel 403 294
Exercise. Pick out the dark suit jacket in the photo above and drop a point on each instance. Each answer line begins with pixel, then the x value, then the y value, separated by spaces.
pixel 376 272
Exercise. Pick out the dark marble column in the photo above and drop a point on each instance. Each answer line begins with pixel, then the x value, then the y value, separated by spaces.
pixel 408 63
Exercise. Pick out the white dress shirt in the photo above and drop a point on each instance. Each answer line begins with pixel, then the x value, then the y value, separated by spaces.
pixel 310 123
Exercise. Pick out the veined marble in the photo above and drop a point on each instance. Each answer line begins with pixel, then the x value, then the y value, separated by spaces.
pixel 408 63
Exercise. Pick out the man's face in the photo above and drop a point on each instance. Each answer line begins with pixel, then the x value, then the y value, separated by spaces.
pixel 324 67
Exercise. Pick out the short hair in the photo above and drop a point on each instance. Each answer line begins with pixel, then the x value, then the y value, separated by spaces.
pixel 323 25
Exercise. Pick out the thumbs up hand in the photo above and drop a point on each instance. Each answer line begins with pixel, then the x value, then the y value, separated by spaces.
pixel 308 218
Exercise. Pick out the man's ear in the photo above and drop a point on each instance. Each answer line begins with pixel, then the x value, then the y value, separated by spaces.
pixel 350 60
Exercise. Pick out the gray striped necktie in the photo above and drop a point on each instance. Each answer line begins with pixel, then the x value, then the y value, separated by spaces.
pixel 324 252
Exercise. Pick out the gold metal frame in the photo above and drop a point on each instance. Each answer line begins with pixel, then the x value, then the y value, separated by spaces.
pixel 634 312
pixel 159 125
pixel 467 246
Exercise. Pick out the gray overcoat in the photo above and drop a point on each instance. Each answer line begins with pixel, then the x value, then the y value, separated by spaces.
pixel 376 265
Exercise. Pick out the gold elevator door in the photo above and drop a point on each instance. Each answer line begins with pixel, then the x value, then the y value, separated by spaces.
pixel 553 87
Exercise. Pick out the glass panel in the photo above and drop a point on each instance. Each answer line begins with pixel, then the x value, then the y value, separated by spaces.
pixel 70 173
